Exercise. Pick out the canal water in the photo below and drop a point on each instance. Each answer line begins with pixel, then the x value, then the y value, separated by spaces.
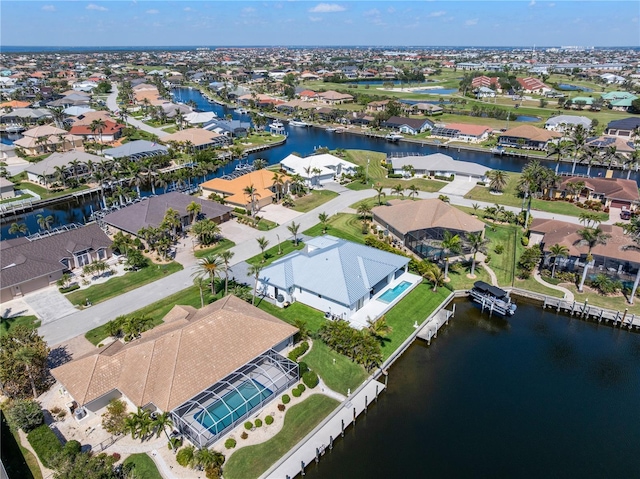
pixel 303 141
pixel 537 395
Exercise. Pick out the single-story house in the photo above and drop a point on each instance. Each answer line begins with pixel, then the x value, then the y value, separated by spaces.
pixel 410 126
pixel 317 169
pixel 533 85
pixel 230 128
pixel 32 264
pixel 136 150
pixel 621 144
pixel 200 139
pixel 484 81
pixel 30 116
pixel 199 117
pixel 39 139
pixel 438 164
pixel 7 151
pixel 484 92
pixel 463 132
pixel 6 189
pixel 420 225
pixel 626 128
pixel 111 132
pixel 210 368
pixel 233 189
pixel 527 136
pixel 611 192
pixel 619 100
pixel 150 212
pixel 562 123
pixel 422 108
pixel 618 257
pixel 379 105
pixel 331 275
pixel 333 97
pixel 43 172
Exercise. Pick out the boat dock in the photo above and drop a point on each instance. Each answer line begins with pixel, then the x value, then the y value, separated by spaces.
pixel 430 329
pixel 584 310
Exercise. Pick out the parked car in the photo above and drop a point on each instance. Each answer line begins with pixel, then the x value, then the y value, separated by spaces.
pixel 625 215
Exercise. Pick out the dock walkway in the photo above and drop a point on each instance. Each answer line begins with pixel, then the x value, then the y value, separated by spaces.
pixel 430 329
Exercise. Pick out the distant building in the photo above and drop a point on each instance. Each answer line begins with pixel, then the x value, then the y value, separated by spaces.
pixel 317 169
pixel 562 123
pixel 527 136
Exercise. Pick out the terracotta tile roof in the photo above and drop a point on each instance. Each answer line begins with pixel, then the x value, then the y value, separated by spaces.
pixel 178 359
pixel 261 180
pixel 197 136
pixel 406 216
pixel 611 188
pixel 110 128
pixel 15 104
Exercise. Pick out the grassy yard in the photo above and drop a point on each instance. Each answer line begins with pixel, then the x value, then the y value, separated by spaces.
pixel 337 371
pixel 252 461
pixel 189 296
pixel 122 284
pixel 617 303
pixel 341 225
pixel 313 317
pixel 7 324
pixel 510 198
pixel 313 200
pixel 532 285
pixel 271 254
pixel 221 246
pixel 504 264
pixel 416 306
pixel 459 279
pixel 144 467
pixel 21 183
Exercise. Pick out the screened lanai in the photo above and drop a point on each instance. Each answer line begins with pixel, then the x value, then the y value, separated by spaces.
pixel 218 409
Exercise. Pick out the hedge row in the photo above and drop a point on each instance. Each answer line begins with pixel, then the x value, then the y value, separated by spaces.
pixel 45 443
pixel 299 351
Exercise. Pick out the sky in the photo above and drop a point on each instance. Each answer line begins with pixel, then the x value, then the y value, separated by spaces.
pixel 311 23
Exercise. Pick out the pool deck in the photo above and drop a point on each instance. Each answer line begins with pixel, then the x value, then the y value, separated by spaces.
pixel 374 308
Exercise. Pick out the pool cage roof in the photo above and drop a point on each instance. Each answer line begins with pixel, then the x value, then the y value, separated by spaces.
pixel 221 407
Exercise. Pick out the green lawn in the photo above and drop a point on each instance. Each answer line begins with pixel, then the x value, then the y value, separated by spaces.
pixel 7 324
pixel 416 306
pixel 158 310
pixel 504 264
pixel 337 371
pixel 617 303
pixel 532 285
pixel 313 200
pixel 510 197
pixel 341 225
pixel 17 198
pixel 221 246
pixel 144 467
pixel 313 317
pixel 252 461
pixel 271 254
pixel 122 284
pixel 458 276
pixel 21 183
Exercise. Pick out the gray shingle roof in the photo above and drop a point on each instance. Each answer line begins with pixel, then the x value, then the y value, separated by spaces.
pixel 333 268
pixel 136 148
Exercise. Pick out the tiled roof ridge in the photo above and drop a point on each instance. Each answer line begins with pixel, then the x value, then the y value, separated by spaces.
pixel 93 369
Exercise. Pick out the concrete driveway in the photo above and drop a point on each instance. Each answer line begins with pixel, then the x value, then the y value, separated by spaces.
pixel 458 187
pixel 49 304
pixel 279 214
pixel 238 233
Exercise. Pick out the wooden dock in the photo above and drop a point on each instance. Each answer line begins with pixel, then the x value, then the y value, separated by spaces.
pixel 584 310
pixel 430 329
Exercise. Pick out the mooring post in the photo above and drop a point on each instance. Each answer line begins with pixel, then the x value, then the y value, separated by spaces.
pixel 626 310
pixel 573 307
pixel 617 315
pixel 453 313
pixel 342 428
pixel 317 456
pixel 365 404
pixel 354 416
pixel 584 307
pixel 330 443
pixel 302 468
pixel 376 393
pixel 601 313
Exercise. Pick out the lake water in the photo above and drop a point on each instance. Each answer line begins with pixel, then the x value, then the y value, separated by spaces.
pixel 526 118
pixel 539 395
pixel 436 91
pixel 567 87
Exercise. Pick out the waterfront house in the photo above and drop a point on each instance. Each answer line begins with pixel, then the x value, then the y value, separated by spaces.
pixel 225 358
pixel 197 138
pixel 24 116
pixel 462 132
pixel 621 144
pixel 317 169
pixel 527 136
pixel 625 128
pixel 437 164
pixel 611 192
pixel 7 190
pixel 136 150
pixel 420 225
pixel 46 172
pixel 229 128
pixel 410 126
pixel 42 139
pixel 422 108
pixel 331 275
pixel 333 97
pixel 150 212
pixel 109 133
pixel 563 123
pixel 32 264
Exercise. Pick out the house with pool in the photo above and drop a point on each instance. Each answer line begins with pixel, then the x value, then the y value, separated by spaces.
pixel 211 368
pixel 344 280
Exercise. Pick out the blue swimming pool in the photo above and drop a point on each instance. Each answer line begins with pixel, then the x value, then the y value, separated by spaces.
pixel 232 406
pixel 392 293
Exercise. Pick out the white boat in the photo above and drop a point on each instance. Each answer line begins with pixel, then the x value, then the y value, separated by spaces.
pixel 242 111
pixel 339 130
pixel 330 130
pixel 492 298
pixel 299 123
pixel 393 137
pixel 14 128
pixel 276 125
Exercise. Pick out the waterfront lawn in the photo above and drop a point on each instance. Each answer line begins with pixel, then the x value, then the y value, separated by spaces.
pixel 336 370
pixel 8 324
pixel 532 285
pixel 21 183
pixel 17 198
pixel 122 284
pixel 509 197
pixel 252 461
pixel 222 245
pixel 271 254
pixel 341 225
pixel 459 279
pixel 616 303
pixel 312 317
pixel 504 264
pixel 313 200
pixel 416 306
pixel 143 466
pixel 156 311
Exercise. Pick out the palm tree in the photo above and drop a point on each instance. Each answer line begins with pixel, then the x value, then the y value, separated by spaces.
pixel 324 220
pixel 252 193
pixel 379 193
pixel 161 423
pixel 589 219
pixel 263 243
pixel 16 228
pixel 413 191
pixel 254 270
pixel 278 183
pixel 59 175
pixel 260 164
pixel 201 284
pixel 398 190
pixel 98 126
pixel 379 328
pixel 44 222
pixel 27 356
pixel 226 256
pixel 293 229
pixel 207 459
pixel 434 275
pixel 451 243
pixel 497 180
pixel 592 237
pixel 579 138
pixel 560 151
pixel 210 266
pixel 193 209
pixel 478 244
pixel 557 251
pixel 364 210
pixel 475 207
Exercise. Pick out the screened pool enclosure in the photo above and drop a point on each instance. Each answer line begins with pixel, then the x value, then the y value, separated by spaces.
pixel 227 403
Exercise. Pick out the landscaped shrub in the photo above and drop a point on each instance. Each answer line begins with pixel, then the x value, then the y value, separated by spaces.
pixel 45 443
pixel 286 399
pixel 281 407
pixel 302 387
pixel 72 448
pixel 302 367
pixel 244 435
pixel 395 175
pixel 268 420
pixel 605 285
pixel 248 425
pixel 116 456
pixel 185 456
pixel 499 249
pixel 299 350
pixel 310 379
pixel 230 443
pixel 296 393
pixel 68 289
pixel 174 443
pixel 25 414
pixel 258 423
pixel 525 241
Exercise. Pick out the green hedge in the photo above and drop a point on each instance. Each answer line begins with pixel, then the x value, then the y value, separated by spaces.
pixel 268 420
pixel 68 289
pixel 45 443
pixel 299 351
pixel 310 379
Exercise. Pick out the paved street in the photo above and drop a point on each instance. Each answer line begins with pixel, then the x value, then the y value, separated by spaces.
pixel 112 104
